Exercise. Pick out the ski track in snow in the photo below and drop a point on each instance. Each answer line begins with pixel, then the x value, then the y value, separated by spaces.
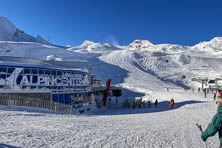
pixel 151 129
pixel 136 77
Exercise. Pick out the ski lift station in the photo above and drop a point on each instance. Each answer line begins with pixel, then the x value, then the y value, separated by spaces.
pixel 65 82
pixel 209 83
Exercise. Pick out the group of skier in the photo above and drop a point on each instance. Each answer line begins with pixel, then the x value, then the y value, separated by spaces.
pixel 171 103
pixel 139 103
pixel 206 91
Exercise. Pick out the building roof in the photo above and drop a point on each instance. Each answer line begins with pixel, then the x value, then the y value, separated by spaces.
pixel 37 63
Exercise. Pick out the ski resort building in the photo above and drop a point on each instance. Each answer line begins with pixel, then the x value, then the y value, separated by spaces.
pixel 65 82
pixel 56 85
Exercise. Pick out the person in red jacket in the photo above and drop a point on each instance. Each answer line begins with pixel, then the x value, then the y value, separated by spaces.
pixel 171 103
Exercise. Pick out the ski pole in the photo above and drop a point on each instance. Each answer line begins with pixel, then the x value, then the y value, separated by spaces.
pixel 200 128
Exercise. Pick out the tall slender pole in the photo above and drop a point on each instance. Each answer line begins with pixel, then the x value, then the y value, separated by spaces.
pixel 200 128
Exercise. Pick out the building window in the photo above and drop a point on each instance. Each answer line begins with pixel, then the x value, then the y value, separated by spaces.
pixel 27 71
pixel 10 70
pixel 47 72
pixel 34 71
pixel 59 73
pixel 41 71
pixel 53 73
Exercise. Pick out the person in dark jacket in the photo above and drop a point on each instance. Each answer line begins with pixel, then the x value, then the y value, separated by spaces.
pixel 216 124
pixel 156 103
pixel 215 94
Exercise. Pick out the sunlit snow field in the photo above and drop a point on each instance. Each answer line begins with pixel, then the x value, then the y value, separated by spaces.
pixel 147 128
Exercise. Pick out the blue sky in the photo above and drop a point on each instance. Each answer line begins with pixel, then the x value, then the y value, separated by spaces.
pixel 70 22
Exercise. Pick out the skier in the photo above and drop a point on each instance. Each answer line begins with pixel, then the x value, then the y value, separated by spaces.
pixel 171 103
pixel 215 126
pixel 139 103
pixel 149 103
pixel 134 104
pixel 193 90
pixel 208 90
pixel 109 103
pixel 215 96
pixel 205 92
pixel 156 102
pixel 198 90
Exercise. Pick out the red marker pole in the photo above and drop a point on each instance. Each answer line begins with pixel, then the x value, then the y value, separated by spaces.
pixel 107 91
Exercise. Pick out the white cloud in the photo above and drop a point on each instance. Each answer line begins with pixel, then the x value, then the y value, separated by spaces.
pixel 111 39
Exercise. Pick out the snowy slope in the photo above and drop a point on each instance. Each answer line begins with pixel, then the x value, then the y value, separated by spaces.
pixel 92 47
pixel 168 65
pixel 151 65
pixel 144 45
pixel 123 128
pixel 38 51
pixel 214 45
pixel 145 67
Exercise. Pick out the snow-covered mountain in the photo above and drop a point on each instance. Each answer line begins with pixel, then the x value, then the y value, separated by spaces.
pixel 213 46
pixel 144 45
pixel 145 66
pixel 9 32
pixel 38 51
pixel 92 47
pixel 140 45
pixel 141 65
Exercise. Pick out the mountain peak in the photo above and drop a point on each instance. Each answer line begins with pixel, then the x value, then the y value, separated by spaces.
pixel 145 42
pixel 9 32
pixel 6 29
pixel 87 43
pixel 217 39
pixel 214 45
pixel 140 44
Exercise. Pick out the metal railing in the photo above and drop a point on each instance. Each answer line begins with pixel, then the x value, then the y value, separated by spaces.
pixel 36 103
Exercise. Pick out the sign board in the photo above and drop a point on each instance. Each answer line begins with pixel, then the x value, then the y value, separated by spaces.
pixel 20 78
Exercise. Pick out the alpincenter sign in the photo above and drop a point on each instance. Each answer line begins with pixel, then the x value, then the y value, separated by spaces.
pixel 75 80
pixel 51 81
pixel 65 79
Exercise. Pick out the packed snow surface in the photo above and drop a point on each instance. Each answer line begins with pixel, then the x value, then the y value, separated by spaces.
pixel 38 51
pixel 140 128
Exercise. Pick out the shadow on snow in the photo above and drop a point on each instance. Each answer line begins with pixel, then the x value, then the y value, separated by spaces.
pixel 8 146
pixel 162 106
